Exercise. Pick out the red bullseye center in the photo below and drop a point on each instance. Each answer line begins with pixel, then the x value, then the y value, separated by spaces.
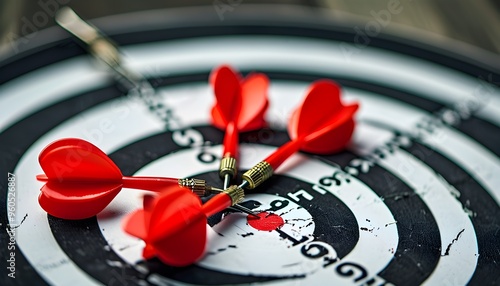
pixel 267 221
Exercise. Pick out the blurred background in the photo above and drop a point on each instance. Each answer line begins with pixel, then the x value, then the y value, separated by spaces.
pixel 472 22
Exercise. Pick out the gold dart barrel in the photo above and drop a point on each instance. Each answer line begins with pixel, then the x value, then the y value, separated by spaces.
pixel 227 167
pixel 197 186
pixel 236 193
pixel 258 174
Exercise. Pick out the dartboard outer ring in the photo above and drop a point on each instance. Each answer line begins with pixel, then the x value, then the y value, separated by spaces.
pixel 416 223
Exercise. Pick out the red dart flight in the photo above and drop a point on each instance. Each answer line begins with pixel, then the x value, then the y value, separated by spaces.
pixel 82 180
pixel 322 124
pixel 177 218
pixel 240 107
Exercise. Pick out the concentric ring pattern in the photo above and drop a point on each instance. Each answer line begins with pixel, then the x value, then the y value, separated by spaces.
pixel 413 200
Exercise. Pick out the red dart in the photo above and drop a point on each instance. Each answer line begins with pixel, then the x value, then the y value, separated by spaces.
pixel 322 124
pixel 240 107
pixel 177 218
pixel 82 180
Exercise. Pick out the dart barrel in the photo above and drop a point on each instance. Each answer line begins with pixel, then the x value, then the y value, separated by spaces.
pixel 197 186
pixel 227 166
pixel 235 193
pixel 258 174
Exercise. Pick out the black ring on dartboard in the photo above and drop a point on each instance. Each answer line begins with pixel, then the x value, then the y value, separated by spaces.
pixel 130 168
pixel 414 220
pixel 99 94
pixel 473 196
pixel 39 54
pixel 14 145
pixel 140 153
pixel 17 138
pixel 413 215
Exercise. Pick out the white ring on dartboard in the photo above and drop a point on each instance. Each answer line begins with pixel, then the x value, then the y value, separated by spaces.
pixel 90 122
pixel 476 159
pixel 233 242
pixel 171 57
pixel 18 86
pixel 458 261
pixel 89 125
pixel 470 155
pixel 356 196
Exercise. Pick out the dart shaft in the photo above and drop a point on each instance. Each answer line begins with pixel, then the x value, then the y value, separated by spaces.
pixel 227 198
pixel 157 184
pixel 148 183
pixel 265 169
pixel 227 168
pixel 42 178
pixel 231 140
pixel 197 186
pixel 284 152
pixel 216 204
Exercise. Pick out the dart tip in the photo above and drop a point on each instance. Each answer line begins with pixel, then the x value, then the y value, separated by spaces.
pixel 246 210
pixel 244 184
pixel 254 215
pixel 227 180
pixel 216 190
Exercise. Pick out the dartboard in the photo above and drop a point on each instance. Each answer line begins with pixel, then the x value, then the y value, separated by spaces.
pixel 413 199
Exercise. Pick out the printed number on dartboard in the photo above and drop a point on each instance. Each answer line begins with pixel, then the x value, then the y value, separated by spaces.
pixel 194 139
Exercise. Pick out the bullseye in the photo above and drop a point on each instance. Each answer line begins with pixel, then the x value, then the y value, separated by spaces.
pixel 267 222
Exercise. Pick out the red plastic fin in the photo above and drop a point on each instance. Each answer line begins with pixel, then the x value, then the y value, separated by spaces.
pixel 334 135
pixel 148 252
pixel 74 159
pixel 254 102
pixel 193 237
pixel 173 210
pixel 227 90
pixel 322 121
pixel 76 200
pixel 322 100
pixel 134 224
